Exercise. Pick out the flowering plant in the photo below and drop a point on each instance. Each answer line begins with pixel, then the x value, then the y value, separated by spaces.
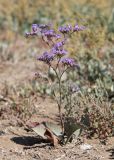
pixel 56 58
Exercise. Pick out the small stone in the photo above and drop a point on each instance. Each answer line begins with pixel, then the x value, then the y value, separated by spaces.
pixel 85 147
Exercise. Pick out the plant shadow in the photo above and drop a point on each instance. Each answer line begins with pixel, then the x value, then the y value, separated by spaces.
pixel 29 141
pixel 111 151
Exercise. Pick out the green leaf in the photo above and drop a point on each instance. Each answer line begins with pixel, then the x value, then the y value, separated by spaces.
pixel 72 128
pixel 77 132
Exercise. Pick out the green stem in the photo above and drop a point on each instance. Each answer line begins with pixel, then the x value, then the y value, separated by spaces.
pixel 59 103
pixel 60 98
pixel 63 72
pixel 60 106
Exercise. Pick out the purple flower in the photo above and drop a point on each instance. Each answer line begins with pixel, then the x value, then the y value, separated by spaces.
pixel 58 52
pixel 49 33
pixel 58 36
pixel 34 28
pixel 59 45
pixel 43 27
pixel 65 29
pixel 74 88
pixel 69 62
pixel 46 57
pixel 78 28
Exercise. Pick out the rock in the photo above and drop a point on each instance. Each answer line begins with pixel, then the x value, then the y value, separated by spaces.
pixel 85 147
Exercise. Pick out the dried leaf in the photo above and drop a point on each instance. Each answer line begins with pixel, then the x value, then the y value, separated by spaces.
pixel 56 129
pixel 51 137
pixel 48 130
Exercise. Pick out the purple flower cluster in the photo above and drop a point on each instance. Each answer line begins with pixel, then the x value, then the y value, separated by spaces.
pixel 42 27
pixel 34 27
pixel 65 29
pixel 46 57
pixel 45 30
pixel 59 52
pixel 57 36
pixel 49 33
pixel 57 47
pixel 74 88
pixel 69 62
pixel 33 32
pixel 78 28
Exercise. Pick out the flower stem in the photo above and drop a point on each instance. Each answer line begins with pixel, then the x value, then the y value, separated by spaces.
pixel 59 103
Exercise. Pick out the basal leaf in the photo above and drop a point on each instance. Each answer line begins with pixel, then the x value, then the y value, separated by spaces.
pixel 56 129
pixel 72 127
pixel 40 130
